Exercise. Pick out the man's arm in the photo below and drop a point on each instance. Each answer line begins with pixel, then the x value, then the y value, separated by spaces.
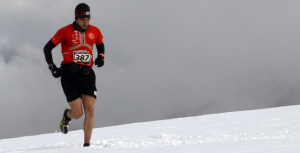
pixel 48 52
pixel 48 55
pixel 100 49
pixel 99 62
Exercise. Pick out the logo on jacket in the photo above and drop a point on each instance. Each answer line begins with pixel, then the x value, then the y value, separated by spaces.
pixel 76 38
pixel 91 36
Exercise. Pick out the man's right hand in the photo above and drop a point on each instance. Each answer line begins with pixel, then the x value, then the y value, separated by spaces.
pixel 56 72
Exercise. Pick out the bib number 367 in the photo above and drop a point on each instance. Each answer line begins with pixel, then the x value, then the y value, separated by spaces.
pixel 82 57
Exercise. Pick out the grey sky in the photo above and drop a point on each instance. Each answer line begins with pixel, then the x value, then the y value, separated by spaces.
pixel 164 59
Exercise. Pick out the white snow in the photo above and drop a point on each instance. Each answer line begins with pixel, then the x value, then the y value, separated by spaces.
pixel 268 131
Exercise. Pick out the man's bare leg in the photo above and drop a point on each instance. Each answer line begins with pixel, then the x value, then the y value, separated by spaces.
pixel 76 109
pixel 88 105
pixel 74 113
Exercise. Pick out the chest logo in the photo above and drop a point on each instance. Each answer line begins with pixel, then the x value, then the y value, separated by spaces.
pixel 91 36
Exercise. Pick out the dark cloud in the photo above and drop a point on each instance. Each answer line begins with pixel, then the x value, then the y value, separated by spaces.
pixel 164 59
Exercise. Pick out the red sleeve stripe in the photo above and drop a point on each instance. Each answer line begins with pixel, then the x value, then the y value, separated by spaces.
pixel 102 55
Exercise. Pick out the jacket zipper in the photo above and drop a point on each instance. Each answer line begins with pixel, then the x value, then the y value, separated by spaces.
pixel 83 37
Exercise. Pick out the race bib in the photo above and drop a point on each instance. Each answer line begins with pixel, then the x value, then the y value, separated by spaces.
pixel 82 57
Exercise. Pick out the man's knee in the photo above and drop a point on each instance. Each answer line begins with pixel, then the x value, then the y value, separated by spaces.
pixel 89 111
pixel 77 114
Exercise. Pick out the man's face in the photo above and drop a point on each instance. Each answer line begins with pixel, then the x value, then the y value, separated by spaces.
pixel 83 22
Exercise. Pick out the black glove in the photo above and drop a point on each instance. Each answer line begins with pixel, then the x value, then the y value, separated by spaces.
pixel 56 72
pixel 99 62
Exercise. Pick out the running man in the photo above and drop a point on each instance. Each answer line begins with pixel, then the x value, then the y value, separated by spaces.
pixel 77 76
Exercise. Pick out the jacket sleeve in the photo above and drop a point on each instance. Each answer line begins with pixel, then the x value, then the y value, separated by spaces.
pixel 100 48
pixel 48 52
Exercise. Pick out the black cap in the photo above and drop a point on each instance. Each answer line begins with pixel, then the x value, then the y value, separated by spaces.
pixel 82 10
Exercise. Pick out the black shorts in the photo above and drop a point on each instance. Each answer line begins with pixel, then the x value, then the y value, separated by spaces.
pixel 76 84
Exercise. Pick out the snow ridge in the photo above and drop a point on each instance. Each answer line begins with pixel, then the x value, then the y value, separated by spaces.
pixel 269 130
pixel 164 139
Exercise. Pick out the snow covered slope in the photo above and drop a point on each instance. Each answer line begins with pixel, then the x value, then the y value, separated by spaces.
pixel 267 131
